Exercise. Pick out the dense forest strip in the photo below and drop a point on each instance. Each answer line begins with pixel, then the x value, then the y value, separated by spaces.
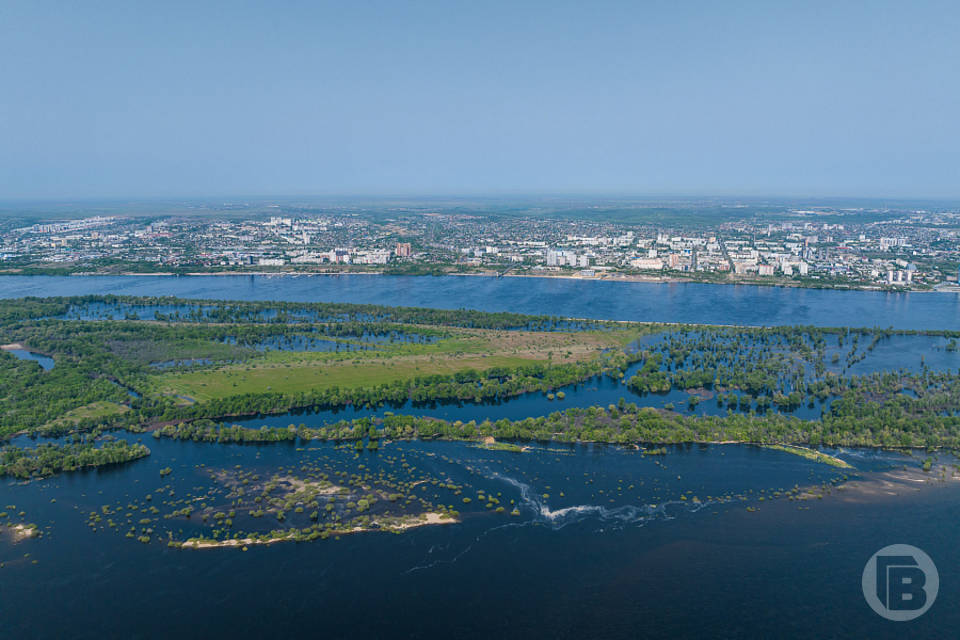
pixel 49 459
pixel 624 424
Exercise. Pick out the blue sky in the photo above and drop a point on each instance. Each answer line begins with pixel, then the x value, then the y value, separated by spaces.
pixel 127 99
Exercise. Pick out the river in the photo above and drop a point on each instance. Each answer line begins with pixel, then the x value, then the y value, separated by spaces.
pixel 638 301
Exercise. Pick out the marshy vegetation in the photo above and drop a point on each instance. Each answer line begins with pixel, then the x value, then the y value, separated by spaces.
pixel 751 379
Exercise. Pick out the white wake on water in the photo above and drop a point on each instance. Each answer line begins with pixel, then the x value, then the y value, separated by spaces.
pixel 625 514
pixel 559 518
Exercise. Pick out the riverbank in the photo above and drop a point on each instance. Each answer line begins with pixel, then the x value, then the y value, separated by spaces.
pixel 19 346
pixel 810 454
pixel 678 302
pixel 393 525
pixel 596 276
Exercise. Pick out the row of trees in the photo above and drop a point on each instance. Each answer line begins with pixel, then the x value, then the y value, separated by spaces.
pixel 49 459
pixel 613 424
pixel 276 312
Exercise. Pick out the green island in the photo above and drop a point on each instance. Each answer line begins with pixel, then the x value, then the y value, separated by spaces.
pixel 184 368
pixel 490 444
pixel 48 459
pixel 810 454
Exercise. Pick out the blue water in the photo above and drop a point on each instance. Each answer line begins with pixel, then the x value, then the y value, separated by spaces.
pixel 45 362
pixel 598 391
pixel 669 302
pixel 604 545
pixel 913 353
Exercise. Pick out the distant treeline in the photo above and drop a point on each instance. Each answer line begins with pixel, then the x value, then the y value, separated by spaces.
pixel 278 312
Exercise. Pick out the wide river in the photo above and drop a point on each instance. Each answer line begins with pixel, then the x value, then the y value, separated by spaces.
pixel 607 543
pixel 640 301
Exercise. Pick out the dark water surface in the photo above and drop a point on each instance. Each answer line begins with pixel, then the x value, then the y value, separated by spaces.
pixel 670 302
pixel 620 554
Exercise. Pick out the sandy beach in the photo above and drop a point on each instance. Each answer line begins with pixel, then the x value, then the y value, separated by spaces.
pixel 425 519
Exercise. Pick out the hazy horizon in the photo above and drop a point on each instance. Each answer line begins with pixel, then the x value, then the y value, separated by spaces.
pixel 184 101
pixel 598 199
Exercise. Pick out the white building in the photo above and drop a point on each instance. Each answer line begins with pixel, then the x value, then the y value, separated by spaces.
pixel 647 263
pixel 564 258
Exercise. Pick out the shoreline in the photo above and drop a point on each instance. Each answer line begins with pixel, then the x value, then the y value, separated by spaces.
pixel 808 453
pixel 614 277
pixel 19 346
pixel 893 484
pixel 944 287
pixel 429 518
pixel 798 448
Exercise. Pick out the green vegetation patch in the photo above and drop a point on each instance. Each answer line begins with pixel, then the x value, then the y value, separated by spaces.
pixel 49 459
pixel 97 410
pixel 810 454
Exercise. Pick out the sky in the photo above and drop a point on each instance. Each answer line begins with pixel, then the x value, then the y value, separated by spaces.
pixel 102 99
